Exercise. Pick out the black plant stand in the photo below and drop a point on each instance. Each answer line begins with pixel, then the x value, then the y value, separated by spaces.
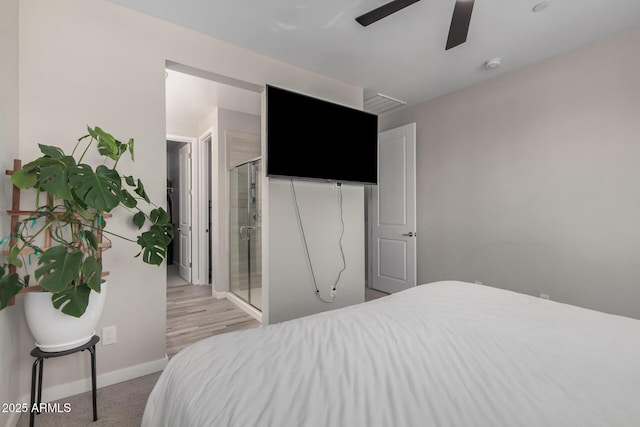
pixel 39 363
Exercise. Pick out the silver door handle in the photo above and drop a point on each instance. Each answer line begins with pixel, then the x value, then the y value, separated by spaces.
pixel 410 234
pixel 244 231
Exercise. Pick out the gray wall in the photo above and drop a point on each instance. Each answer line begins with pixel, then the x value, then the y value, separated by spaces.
pixel 531 180
pixel 9 318
pixel 238 121
pixel 319 207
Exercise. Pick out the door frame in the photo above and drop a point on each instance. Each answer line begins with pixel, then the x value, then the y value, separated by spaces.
pixel 204 192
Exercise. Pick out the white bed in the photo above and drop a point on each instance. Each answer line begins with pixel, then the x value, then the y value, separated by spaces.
pixel 441 354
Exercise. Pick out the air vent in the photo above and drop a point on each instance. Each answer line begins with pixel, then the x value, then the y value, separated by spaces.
pixel 380 103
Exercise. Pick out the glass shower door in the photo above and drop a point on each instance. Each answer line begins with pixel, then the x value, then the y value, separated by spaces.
pixel 245 246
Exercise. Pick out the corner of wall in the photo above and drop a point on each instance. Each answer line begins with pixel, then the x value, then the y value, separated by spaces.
pixel 10 318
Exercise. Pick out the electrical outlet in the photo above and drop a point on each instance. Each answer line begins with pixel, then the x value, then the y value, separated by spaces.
pixel 109 335
pixel 544 296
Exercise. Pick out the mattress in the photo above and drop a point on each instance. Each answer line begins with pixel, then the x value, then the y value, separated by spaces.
pixel 440 354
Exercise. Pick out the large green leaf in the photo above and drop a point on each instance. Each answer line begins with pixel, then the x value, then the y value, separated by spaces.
pixel 107 145
pixel 130 144
pixel 39 163
pixel 51 151
pixel 99 189
pixel 54 179
pixel 53 173
pixel 92 272
pixel 23 179
pixel 13 258
pixel 59 267
pixel 139 219
pixel 80 207
pixel 74 300
pixel 154 242
pixel 127 199
pixel 80 204
pixel 9 287
pixel 159 216
pixel 140 191
pixel 167 230
pixel 91 238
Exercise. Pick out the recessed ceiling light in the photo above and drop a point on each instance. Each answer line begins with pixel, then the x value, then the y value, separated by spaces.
pixel 493 63
pixel 540 6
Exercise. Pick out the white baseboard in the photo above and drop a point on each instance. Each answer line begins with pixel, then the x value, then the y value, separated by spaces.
pixel 50 394
pixel 219 294
pixel 251 311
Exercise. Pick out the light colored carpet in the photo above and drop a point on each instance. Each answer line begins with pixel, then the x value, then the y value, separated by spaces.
pixel 120 405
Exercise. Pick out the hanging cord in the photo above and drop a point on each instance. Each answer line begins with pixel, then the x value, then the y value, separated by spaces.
pixel 306 247
pixel 344 261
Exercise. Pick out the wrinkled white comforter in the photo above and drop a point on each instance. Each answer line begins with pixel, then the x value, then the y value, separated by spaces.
pixel 441 354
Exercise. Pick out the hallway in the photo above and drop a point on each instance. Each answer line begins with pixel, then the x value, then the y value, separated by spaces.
pixel 194 314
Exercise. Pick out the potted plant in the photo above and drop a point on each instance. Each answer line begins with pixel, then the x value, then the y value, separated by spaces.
pixel 64 228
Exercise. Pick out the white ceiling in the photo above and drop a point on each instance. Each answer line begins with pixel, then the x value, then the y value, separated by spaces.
pixel 403 55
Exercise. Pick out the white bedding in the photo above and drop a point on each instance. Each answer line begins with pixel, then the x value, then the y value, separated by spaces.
pixel 441 354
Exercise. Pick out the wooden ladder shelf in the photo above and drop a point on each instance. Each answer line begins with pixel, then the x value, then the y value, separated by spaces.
pixel 15 213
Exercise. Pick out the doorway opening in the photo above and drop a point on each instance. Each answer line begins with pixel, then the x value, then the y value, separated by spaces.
pixel 179 206
pixel 215 116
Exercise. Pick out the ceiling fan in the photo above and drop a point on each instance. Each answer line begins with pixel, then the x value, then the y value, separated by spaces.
pixel 459 22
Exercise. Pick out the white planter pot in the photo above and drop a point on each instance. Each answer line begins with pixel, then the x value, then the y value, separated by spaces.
pixel 56 331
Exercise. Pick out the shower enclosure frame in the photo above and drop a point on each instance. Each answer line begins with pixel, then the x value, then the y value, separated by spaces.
pixel 245 236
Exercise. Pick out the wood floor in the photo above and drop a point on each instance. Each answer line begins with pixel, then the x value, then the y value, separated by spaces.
pixel 193 314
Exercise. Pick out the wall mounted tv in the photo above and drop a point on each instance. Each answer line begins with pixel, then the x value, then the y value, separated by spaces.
pixel 308 138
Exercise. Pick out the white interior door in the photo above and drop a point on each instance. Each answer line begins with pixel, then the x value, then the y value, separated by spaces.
pixel 393 212
pixel 184 228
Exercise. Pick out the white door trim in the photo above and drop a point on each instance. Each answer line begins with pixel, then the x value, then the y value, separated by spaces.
pixel 181 138
pixel 201 195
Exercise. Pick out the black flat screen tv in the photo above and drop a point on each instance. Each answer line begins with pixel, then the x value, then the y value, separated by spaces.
pixel 309 138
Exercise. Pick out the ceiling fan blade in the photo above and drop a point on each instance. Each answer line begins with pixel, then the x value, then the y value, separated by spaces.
pixel 460 23
pixel 383 11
